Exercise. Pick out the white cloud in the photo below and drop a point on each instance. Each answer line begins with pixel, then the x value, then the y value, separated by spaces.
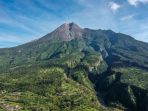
pixel 128 17
pixel 133 2
pixel 114 6
pixel 136 2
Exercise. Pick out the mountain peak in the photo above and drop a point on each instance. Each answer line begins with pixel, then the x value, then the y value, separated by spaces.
pixel 75 26
pixel 65 32
pixel 69 26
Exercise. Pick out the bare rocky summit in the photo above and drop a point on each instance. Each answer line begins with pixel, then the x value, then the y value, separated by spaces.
pixel 65 32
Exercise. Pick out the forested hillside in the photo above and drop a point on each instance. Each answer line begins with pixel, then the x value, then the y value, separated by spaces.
pixel 75 69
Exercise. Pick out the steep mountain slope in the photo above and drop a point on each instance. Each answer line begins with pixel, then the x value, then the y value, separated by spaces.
pixel 75 69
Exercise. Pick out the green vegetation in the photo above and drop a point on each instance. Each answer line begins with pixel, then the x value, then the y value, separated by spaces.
pixel 102 71
pixel 44 90
pixel 134 76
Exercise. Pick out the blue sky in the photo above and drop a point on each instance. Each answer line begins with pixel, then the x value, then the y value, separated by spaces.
pixel 22 21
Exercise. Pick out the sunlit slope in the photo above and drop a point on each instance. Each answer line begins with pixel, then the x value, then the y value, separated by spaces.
pixel 75 69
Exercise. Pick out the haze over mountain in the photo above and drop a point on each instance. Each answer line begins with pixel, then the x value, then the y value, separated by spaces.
pixel 75 69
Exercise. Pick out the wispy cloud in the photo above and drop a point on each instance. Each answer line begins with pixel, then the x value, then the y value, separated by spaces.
pixel 94 15
pixel 136 2
pixel 127 17
pixel 24 20
pixel 114 6
pixel 23 25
